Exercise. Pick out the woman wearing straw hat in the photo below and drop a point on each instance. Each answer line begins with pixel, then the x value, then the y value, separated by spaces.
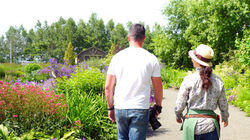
pixel 201 92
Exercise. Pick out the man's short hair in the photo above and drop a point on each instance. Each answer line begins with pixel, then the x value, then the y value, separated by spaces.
pixel 137 32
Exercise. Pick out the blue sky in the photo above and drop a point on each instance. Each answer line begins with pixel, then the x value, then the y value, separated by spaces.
pixel 27 12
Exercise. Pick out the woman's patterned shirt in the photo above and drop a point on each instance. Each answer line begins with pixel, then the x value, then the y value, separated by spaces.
pixel 193 96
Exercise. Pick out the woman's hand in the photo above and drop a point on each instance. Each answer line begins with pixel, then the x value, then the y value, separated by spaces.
pixel 179 120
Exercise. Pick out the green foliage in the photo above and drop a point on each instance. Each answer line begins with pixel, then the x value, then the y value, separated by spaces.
pixel 243 48
pixel 32 73
pixel 172 77
pixel 2 72
pixel 242 98
pixel 14 44
pixel 69 56
pixel 84 81
pixel 89 113
pixel 31 67
pixel 109 55
pixel 12 71
pixel 95 63
pixel 236 82
pixel 87 105
pixel 5 134
pixel 119 36
pixel 210 22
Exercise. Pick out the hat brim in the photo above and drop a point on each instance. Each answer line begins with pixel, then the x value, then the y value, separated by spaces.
pixel 191 54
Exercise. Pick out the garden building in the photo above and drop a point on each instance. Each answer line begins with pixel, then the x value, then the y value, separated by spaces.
pixel 92 52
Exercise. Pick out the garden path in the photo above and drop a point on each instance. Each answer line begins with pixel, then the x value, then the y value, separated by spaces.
pixel 238 128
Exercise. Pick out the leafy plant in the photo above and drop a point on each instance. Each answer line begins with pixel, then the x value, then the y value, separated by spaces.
pixel 87 105
pixel 83 81
pixel 2 72
pixel 88 112
pixel 243 48
pixel 31 67
pixel 24 107
pixel 236 82
pixel 32 134
pixel 172 77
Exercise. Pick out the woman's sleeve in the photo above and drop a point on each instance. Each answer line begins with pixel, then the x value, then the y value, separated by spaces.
pixel 182 98
pixel 223 105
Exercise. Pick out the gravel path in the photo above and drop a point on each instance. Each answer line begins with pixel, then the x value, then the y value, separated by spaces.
pixel 238 128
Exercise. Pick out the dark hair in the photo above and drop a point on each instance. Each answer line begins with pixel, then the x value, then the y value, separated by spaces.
pixel 205 74
pixel 137 32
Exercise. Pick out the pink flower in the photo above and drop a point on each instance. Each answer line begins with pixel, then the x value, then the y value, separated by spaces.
pixel 16 84
pixel 15 116
pixel 1 82
pixel 58 104
pixel 78 122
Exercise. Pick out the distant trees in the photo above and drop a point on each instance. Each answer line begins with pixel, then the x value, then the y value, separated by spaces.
pixel 51 41
pixel 218 24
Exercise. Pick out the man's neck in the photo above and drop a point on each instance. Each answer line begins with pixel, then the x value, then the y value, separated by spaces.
pixel 136 44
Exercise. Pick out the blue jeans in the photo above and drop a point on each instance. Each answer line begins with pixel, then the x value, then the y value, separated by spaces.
pixel 132 124
pixel 207 136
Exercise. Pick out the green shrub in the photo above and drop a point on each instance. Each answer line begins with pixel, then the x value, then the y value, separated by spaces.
pixel 243 48
pixel 172 77
pixel 89 113
pixel 236 82
pixel 69 55
pixel 34 135
pixel 31 67
pixel 32 73
pixel 84 81
pixel 87 105
pixel 2 72
pixel 95 63
pixel 242 98
pixel 12 71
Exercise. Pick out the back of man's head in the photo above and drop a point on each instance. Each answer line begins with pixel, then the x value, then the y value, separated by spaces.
pixel 137 32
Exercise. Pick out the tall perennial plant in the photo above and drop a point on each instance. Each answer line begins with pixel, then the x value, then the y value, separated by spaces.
pixel 25 107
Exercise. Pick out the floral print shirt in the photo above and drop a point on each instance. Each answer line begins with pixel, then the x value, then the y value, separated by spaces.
pixel 193 96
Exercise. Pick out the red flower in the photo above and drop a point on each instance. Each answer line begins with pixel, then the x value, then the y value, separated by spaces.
pixel 15 116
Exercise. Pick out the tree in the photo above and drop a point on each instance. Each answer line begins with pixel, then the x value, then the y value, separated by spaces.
pixel 69 56
pixel 119 36
pixel 16 43
pixel 96 33
pixel 81 37
pixel 216 23
pixel 3 50
pixel 211 22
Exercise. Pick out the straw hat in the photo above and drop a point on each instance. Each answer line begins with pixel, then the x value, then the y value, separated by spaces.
pixel 202 55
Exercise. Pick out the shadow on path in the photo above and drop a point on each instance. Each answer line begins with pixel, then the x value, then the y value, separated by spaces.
pixel 159 131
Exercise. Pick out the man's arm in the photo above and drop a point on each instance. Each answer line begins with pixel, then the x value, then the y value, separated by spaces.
pixel 109 93
pixel 158 94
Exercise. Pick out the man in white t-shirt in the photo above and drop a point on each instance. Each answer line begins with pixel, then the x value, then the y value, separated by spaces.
pixel 130 72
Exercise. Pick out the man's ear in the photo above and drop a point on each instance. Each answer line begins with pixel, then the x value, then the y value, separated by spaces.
pixel 129 38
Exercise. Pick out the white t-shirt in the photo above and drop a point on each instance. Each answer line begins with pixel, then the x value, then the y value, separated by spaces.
pixel 133 68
